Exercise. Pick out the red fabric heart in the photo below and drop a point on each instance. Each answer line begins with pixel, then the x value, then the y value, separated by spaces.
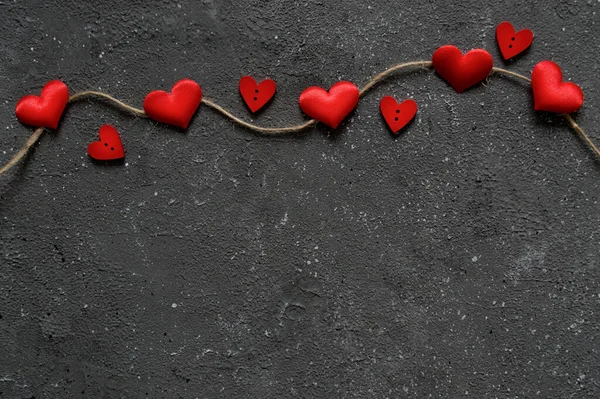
pixel 397 115
pixel 329 107
pixel 550 93
pixel 45 110
pixel 175 108
pixel 256 95
pixel 462 71
pixel 109 146
pixel 512 44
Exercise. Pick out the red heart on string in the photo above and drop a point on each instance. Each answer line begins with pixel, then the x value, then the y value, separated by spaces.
pixel 45 110
pixel 329 107
pixel 256 95
pixel 512 44
pixel 550 93
pixel 462 71
pixel 175 108
pixel 109 147
pixel 397 115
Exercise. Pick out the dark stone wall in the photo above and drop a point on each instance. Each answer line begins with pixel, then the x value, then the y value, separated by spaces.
pixel 458 259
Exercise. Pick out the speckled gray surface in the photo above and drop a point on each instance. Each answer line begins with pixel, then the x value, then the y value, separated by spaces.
pixel 459 259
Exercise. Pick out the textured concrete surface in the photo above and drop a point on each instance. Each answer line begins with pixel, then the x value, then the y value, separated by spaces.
pixel 459 259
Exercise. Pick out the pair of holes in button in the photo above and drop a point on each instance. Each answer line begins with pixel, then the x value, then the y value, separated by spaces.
pixel 256 98
pixel 396 118
pixel 510 45
pixel 111 148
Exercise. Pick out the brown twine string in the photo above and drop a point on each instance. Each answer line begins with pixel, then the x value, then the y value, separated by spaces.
pixel 270 130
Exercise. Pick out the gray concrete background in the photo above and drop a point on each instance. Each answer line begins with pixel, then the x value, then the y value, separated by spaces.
pixel 459 259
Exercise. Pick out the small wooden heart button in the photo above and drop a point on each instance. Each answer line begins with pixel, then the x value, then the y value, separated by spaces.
pixel 397 115
pixel 109 147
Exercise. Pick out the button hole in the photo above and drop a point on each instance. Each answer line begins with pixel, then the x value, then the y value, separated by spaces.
pixel 512 38
pixel 256 91
pixel 510 46
pixel 255 99
pixel 396 119
pixel 112 148
pixel 397 111
pixel 106 144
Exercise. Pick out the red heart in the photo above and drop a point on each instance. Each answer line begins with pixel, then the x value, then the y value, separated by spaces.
pixel 462 71
pixel 329 107
pixel 45 110
pixel 397 115
pixel 550 93
pixel 176 108
pixel 256 95
pixel 511 43
pixel 109 146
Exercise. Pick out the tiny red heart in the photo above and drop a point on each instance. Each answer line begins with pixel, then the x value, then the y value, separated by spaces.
pixel 256 95
pixel 462 71
pixel 175 108
pixel 512 44
pixel 550 93
pixel 329 107
pixel 45 110
pixel 397 115
pixel 109 147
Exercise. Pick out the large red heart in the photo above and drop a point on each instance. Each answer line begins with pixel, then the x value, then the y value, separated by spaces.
pixel 109 146
pixel 512 44
pixel 550 93
pixel 175 108
pixel 256 95
pixel 45 110
pixel 462 71
pixel 397 115
pixel 329 107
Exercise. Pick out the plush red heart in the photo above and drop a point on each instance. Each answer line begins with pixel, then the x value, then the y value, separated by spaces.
pixel 256 95
pixel 462 71
pixel 109 146
pixel 512 44
pixel 397 115
pixel 175 108
pixel 329 107
pixel 550 93
pixel 45 110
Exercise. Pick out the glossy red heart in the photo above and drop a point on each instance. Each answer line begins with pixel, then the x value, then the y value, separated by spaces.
pixel 45 110
pixel 462 71
pixel 175 108
pixel 397 115
pixel 256 95
pixel 329 107
pixel 512 44
pixel 550 93
pixel 109 147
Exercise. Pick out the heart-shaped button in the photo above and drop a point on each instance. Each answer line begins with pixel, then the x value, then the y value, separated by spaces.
pixel 462 71
pixel 397 115
pixel 109 147
pixel 550 93
pixel 512 44
pixel 45 110
pixel 175 108
pixel 256 95
pixel 329 107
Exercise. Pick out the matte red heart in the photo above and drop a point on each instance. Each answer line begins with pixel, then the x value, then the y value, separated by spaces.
pixel 550 93
pixel 109 147
pixel 256 95
pixel 512 44
pixel 329 107
pixel 45 110
pixel 462 71
pixel 175 108
pixel 397 115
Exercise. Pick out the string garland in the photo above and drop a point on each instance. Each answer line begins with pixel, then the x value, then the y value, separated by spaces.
pixel 448 61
